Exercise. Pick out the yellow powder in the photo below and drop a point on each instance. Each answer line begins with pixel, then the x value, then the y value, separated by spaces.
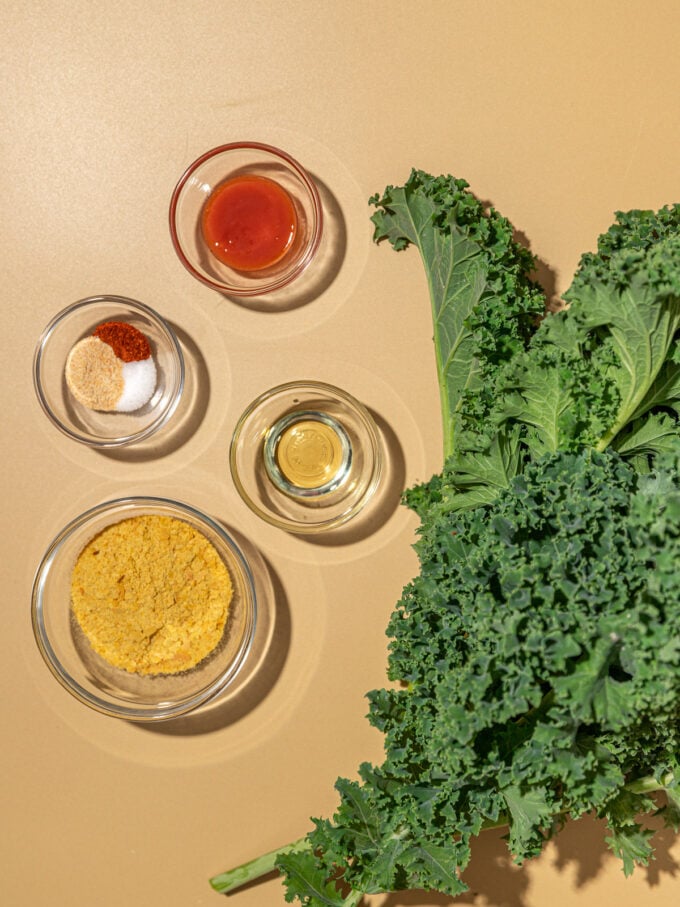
pixel 94 374
pixel 151 595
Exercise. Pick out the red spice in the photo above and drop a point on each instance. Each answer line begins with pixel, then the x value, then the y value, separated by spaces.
pixel 128 343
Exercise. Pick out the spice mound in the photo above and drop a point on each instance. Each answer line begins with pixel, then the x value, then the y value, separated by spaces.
pixel 151 594
pixel 113 370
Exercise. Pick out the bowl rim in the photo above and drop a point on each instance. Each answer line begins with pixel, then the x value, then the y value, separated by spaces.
pixel 136 713
pixel 152 315
pixel 321 525
pixel 275 284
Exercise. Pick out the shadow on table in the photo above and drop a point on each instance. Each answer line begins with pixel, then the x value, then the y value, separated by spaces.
pixel 263 666
pixel 185 421
pixel 496 881
pixel 320 273
pixel 385 502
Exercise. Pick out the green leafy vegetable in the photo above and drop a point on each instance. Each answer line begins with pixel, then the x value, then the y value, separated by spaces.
pixel 484 304
pixel 536 655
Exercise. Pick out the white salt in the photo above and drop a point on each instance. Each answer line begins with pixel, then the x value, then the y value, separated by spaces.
pixel 139 384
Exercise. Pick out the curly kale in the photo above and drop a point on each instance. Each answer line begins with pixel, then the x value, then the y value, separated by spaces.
pixel 539 664
pixel 535 659
pixel 633 232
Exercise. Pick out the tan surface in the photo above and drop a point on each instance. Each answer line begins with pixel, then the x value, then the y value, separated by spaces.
pixel 560 113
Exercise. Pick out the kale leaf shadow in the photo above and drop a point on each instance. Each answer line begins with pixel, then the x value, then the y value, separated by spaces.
pixel 582 844
pixel 494 880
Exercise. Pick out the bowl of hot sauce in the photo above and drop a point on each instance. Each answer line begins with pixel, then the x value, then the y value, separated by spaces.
pixel 246 219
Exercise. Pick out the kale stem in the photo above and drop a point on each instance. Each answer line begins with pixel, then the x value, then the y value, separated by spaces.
pixel 254 869
pixel 649 784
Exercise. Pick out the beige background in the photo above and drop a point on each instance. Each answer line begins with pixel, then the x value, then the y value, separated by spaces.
pixel 559 113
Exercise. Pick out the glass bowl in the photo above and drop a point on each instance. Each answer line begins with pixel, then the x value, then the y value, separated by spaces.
pixel 93 427
pixel 306 456
pixel 115 691
pixel 209 173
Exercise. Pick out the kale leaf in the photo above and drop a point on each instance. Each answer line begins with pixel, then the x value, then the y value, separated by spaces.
pixel 485 306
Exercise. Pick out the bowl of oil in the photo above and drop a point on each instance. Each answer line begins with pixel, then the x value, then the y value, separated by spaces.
pixel 306 456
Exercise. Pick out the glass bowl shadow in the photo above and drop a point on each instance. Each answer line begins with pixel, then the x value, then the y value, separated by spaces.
pixel 113 691
pixel 106 429
pixel 205 175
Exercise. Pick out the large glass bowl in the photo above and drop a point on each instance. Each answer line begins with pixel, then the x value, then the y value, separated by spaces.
pixel 106 429
pixel 206 174
pixel 112 690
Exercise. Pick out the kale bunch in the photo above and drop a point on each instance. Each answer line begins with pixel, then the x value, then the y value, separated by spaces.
pixel 534 662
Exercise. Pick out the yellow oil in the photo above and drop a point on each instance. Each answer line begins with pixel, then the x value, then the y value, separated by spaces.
pixel 309 454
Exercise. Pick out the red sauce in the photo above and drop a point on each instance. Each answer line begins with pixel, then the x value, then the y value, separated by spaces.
pixel 249 222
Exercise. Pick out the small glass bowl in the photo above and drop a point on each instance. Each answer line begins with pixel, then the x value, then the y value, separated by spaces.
pixel 114 691
pixel 306 456
pixel 88 426
pixel 204 176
